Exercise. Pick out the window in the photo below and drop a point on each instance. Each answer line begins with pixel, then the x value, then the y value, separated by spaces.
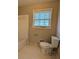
pixel 42 18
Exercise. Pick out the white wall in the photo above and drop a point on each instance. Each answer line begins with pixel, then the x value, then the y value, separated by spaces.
pixel 58 26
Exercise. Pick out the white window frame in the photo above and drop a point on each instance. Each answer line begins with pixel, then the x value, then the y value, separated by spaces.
pixel 38 10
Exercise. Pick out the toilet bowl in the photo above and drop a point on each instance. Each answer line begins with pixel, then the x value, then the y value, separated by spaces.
pixel 47 48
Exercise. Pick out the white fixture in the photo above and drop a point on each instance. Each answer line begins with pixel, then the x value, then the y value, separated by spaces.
pixel 47 47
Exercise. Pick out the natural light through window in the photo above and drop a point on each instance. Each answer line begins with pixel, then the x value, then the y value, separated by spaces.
pixel 42 18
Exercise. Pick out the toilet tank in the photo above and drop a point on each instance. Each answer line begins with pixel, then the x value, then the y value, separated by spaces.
pixel 54 41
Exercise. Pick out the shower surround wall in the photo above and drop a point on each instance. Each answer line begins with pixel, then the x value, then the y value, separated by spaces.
pixel 23 29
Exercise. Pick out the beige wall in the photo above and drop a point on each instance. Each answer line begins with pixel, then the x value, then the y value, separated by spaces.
pixel 37 34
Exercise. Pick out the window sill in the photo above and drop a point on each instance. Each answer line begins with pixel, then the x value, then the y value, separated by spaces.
pixel 41 28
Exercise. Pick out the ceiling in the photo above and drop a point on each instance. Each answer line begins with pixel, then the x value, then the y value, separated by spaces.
pixel 28 2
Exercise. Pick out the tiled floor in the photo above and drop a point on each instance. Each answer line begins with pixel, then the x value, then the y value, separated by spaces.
pixel 33 52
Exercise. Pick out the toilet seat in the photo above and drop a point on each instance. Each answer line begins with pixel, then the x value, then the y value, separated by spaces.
pixel 45 45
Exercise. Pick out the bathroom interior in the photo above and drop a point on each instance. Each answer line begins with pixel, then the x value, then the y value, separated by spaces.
pixel 38 29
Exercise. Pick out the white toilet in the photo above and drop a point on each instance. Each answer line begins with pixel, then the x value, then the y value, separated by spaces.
pixel 46 48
